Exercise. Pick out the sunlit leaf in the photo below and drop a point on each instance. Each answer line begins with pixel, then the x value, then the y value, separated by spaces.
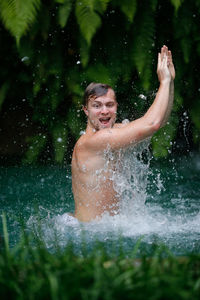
pixel 176 3
pixel 64 12
pixel 88 20
pixel 18 15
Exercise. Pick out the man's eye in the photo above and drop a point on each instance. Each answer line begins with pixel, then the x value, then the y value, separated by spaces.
pixel 96 105
pixel 110 104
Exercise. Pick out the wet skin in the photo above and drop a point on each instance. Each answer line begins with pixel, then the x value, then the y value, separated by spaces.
pixel 92 170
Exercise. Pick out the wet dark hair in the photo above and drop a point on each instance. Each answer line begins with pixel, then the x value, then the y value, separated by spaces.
pixel 95 90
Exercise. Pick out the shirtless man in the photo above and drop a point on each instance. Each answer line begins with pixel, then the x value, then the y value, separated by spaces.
pixel 92 170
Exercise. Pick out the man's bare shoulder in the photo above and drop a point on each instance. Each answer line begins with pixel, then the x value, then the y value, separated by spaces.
pixel 83 143
pixel 80 142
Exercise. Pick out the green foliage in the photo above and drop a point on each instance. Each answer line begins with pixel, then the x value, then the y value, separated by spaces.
pixel 162 140
pixel 143 43
pixel 31 271
pixel 129 8
pixel 18 15
pixel 87 18
pixel 176 3
pixel 64 12
pixel 66 44
pixel 37 144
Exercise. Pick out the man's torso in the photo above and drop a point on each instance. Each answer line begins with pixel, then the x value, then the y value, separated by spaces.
pixel 92 182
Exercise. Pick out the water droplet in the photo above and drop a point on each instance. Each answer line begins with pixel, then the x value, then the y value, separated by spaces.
pixel 143 97
pixel 59 140
pixel 25 58
pixel 78 62
pixel 125 121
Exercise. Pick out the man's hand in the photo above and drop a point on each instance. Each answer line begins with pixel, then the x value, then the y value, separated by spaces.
pixel 163 71
pixel 165 51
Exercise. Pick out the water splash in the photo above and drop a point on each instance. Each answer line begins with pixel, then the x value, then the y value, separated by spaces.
pixel 159 201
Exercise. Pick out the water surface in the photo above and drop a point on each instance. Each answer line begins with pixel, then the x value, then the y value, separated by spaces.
pixel 160 204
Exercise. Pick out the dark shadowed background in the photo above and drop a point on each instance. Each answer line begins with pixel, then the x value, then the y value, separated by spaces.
pixel 51 50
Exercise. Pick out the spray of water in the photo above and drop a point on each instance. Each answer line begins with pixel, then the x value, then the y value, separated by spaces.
pixel 151 206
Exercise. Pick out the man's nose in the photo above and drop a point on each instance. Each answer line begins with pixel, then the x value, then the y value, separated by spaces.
pixel 104 109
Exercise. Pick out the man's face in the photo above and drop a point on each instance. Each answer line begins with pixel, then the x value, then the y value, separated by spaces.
pixel 101 111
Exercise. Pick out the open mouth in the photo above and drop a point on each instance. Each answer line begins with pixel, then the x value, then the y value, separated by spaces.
pixel 104 121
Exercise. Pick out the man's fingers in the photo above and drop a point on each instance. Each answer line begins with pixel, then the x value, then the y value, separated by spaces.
pixel 164 60
pixel 159 59
pixel 170 56
pixel 164 51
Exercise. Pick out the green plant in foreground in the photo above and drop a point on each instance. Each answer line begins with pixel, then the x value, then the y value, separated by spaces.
pixel 30 271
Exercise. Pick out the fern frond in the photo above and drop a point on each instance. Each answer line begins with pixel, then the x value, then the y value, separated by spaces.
pixel 143 45
pixel 101 5
pixel 18 15
pixel 84 52
pixel 88 20
pixel 129 8
pixel 64 12
pixel 176 4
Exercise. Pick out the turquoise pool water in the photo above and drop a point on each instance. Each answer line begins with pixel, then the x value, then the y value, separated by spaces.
pixel 160 204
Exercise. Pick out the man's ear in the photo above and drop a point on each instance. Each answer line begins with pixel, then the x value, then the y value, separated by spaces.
pixel 85 110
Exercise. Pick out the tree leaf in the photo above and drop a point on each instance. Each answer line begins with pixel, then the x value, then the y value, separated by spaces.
pixel 129 8
pixel 143 44
pixel 101 5
pixel 64 12
pixel 88 20
pixel 18 15
pixel 84 51
pixel 176 4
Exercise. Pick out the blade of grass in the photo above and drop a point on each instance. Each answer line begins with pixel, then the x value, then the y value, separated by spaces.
pixel 5 234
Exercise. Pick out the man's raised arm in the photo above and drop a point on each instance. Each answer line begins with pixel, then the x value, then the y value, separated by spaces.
pixel 145 126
